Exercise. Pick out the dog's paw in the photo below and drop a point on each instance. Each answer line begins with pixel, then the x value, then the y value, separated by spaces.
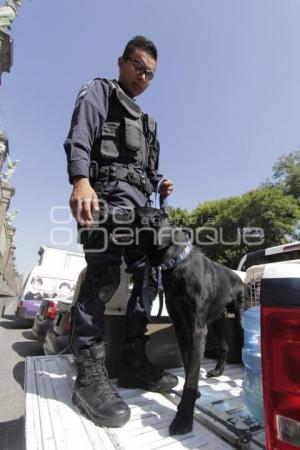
pixel 181 425
pixel 214 373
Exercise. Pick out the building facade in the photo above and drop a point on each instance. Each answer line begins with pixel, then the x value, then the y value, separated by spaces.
pixel 10 279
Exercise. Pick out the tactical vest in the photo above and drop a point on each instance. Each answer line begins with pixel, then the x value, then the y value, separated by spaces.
pixel 127 148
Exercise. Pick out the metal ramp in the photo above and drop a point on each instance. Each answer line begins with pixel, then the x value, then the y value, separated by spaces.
pixel 53 422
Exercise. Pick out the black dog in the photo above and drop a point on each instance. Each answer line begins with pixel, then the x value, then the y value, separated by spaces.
pixel 197 292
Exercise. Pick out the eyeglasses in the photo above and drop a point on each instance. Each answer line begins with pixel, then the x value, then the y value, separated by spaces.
pixel 140 68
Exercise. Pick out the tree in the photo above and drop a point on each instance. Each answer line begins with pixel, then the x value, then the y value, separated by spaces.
pixel 286 172
pixel 180 216
pixel 227 229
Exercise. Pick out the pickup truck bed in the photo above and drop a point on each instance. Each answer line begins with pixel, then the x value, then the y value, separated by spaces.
pixel 222 420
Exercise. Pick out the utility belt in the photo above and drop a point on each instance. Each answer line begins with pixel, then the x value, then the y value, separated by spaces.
pixel 132 175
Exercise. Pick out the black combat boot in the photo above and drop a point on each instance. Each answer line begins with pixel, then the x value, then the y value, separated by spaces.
pixel 138 372
pixel 94 393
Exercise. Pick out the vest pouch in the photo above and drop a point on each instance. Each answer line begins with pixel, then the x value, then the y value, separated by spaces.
pixel 154 147
pixel 151 125
pixel 109 145
pixel 133 134
pixel 153 157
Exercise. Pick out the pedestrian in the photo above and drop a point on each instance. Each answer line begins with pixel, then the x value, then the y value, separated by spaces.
pixel 113 153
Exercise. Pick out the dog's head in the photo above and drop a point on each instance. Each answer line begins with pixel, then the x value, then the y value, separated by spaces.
pixel 155 227
pixel 157 232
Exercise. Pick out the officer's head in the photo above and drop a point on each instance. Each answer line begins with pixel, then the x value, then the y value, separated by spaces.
pixel 137 65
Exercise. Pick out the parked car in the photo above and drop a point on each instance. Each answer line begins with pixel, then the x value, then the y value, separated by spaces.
pixel 56 272
pixel 30 299
pixel 58 335
pixel 40 286
pixel 44 319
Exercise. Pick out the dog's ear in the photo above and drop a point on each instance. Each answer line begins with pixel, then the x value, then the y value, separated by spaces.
pixel 169 234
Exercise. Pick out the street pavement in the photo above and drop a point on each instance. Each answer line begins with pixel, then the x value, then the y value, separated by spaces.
pixel 16 342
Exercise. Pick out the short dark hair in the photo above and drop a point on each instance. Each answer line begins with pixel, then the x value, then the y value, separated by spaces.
pixel 140 42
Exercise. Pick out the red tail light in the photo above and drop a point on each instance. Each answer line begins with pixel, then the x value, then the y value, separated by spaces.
pixel 51 310
pixel 281 375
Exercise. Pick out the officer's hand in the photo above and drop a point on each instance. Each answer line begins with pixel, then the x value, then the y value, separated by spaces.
pixel 166 188
pixel 83 201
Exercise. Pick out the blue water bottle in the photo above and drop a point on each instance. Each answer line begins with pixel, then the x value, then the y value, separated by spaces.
pixel 251 356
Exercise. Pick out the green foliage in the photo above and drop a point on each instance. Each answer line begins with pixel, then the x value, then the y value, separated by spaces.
pixel 286 172
pixel 179 215
pixel 285 163
pixel 226 229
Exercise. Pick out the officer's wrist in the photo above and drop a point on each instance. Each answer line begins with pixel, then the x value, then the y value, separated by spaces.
pixel 79 179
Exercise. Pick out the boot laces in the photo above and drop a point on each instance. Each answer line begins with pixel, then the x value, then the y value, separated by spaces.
pixel 98 373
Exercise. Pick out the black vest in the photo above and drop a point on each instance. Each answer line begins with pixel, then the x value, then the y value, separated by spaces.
pixel 128 137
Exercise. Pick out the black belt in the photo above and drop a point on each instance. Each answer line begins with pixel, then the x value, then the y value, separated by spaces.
pixel 129 174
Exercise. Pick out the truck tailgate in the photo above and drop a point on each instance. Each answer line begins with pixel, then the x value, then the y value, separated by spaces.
pixel 221 406
pixel 53 422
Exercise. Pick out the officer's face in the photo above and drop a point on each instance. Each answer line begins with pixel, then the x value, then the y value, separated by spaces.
pixel 136 72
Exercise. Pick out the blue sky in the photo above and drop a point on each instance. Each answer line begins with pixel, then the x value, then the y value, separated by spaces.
pixel 226 97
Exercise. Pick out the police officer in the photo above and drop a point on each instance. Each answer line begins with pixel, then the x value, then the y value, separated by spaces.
pixel 113 152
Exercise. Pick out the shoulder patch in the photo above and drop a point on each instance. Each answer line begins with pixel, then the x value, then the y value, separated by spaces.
pixel 83 91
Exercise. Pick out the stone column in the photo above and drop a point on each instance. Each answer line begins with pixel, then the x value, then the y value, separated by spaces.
pixel 19 279
pixel 6 192
pixel 10 262
pixel 8 267
pixel 15 281
pixel 9 244
pixel 10 234
pixel 5 290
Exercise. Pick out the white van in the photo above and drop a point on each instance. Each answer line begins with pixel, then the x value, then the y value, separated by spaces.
pixel 55 275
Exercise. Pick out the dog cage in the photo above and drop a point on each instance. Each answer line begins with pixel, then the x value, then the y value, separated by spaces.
pixel 253 280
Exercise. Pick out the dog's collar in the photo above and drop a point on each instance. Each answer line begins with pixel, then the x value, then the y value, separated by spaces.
pixel 174 262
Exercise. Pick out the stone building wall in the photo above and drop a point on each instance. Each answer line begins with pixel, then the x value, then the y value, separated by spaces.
pixel 10 279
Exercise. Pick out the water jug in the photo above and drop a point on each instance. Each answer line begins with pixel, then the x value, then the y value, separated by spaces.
pixel 251 356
